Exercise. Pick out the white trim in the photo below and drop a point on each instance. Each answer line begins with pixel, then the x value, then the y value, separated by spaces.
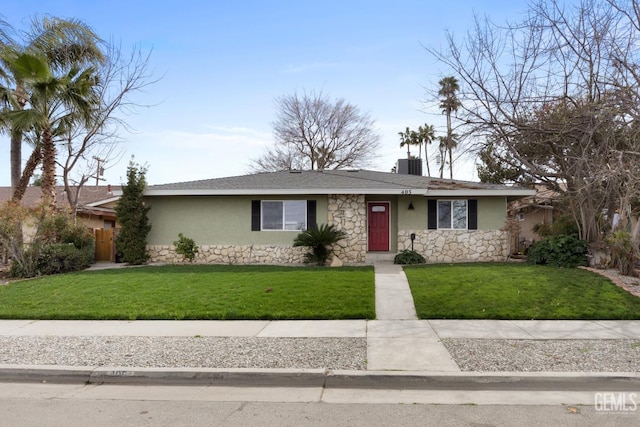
pixel 268 192
pixel 480 192
pixel 388 224
pixel 316 191
pixel 104 201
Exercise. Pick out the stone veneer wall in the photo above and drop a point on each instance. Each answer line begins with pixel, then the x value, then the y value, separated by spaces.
pixel 457 245
pixel 231 254
pixel 349 213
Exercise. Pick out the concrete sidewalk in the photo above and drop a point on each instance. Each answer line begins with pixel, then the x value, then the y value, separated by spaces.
pixel 440 329
pixel 392 345
pixel 400 348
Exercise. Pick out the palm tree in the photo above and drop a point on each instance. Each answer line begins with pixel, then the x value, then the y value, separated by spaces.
pixel 426 135
pixel 320 240
pixel 53 103
pixel 405 139
pixel 64 44
pixel 449 103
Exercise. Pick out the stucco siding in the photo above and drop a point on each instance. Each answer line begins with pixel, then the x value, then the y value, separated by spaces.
pixel 219 220
pixel 492 213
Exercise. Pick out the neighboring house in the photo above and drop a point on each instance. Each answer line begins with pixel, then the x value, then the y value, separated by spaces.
pixel 255 218
pixel 530 211
pixel 95 209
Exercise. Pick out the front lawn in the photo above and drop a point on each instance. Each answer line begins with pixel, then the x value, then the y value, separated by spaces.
pixel 516 291
pixel 195 292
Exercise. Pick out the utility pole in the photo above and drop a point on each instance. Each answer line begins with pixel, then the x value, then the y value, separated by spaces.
pixel 99 169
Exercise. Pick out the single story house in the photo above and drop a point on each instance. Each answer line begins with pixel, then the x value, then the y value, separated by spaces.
pixel 255 218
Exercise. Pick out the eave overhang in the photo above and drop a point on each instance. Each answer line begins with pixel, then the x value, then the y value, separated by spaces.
pixel 511 192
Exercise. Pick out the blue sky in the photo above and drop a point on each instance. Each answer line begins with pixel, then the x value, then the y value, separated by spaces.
pixel 221 64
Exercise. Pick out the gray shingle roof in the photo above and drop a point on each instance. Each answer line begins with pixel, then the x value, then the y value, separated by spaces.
pixel 88 194
pixel 323 182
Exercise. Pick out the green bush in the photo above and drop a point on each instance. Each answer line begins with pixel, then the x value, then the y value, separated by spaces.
pixel 559 251
pixel 59 245
pixel 186 247
pixel 61 258
pixel 409 257
pixel 623 253
pixel 321 241
pixel 50 259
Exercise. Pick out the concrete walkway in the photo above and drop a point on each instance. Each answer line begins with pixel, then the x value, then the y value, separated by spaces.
pixel 393 296
pixel 397 341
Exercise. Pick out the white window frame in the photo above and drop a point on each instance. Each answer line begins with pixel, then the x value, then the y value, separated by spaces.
pixel 284 215
pixel 451 201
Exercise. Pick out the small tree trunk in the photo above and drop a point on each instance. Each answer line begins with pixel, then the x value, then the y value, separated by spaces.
pixel 29 168
pixel 48 169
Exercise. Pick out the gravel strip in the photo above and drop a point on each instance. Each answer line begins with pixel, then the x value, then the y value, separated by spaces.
pixel 194 352
pixel 632 282
pixel 489 355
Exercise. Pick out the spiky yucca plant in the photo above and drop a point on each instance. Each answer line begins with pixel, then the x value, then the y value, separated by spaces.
pixel 321 241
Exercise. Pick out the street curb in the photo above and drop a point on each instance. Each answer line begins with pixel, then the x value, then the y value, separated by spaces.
pixel 320 378
pixel 531 381
pixel 211 377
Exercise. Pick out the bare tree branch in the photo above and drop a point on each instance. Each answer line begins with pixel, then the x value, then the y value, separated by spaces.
pixel 313 132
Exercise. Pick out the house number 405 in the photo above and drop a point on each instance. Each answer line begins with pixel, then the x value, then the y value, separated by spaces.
pixel 405 192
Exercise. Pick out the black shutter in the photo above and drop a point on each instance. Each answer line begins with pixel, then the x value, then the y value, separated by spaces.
pixel 472 204
pixel 255 215
pixel 432 214
pixel 311 214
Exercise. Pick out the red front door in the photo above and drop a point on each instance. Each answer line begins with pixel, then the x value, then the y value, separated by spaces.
pixel 378 226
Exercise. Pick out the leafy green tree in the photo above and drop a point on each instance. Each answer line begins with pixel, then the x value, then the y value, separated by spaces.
pixel 321 241
pixel 131 242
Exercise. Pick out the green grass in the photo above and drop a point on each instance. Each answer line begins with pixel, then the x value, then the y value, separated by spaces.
pixel 195 292
pixel 516 291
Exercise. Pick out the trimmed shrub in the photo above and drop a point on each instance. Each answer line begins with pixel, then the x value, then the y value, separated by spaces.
pixel 408 257
pixel 559 251
pixel 186 247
